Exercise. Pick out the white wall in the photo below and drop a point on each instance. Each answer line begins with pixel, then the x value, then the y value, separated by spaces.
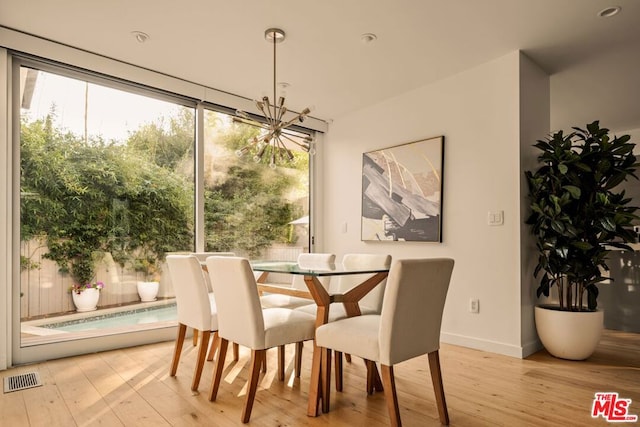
pixel 534 125
pixel 478 113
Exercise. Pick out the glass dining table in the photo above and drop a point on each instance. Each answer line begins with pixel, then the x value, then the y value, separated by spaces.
pixel 319 389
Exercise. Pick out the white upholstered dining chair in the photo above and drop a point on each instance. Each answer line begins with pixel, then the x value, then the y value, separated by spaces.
pixel 241 319
pixel 202 257
pixel 196 309
pixel 305 260
pixel 408 326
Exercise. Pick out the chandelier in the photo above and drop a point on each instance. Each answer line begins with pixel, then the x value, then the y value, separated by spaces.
pixel 275 138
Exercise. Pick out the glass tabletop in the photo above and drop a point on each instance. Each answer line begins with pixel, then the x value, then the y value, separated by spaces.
pixel 292 267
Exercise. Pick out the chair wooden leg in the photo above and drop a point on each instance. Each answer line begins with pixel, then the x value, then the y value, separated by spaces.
pixel 202 355
pixel 370 376
pixel 298 357
pixel 281 362
pixel 347 357
pixel 236 352
pixel 213 346
pixel 256 363
pixel 315 390
pixel 182 331
pixel 195 337
pixel 326 379
pixel 217 370
pixel 391 397
pixel 264 364
pixel 436 378
pixel 338 362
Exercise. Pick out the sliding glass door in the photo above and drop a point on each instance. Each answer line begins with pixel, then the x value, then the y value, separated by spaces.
pixel 106 190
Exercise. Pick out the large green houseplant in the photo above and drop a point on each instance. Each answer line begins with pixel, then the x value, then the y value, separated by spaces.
pixel 578 214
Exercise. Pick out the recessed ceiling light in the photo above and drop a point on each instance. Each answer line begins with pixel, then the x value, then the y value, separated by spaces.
pixel 367 38
pixel 140 36
pixel 609 11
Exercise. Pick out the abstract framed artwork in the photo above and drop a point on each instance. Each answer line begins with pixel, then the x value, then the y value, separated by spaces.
pixel 402 192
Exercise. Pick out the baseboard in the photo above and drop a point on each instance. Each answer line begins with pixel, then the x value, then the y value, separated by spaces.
pixel 491 346
pixel 531 347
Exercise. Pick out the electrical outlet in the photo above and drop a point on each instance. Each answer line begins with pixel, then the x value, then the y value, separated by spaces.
pixel 474 305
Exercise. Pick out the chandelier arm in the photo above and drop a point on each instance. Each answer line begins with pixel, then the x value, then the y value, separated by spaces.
pixel 251 122
pixel 261 152
pixel 267 112
pixel 292 121
pixel 294 134
pixel 260 105
pixel 304 146
pixel 285 148
pixel 248 147
pixel 281 109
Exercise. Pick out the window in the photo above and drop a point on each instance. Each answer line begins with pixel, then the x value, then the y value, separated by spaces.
pixel 108 188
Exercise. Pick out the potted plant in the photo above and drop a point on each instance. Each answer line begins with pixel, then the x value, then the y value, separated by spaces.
pixel 578 214
pixel 148 263
pixel 78 260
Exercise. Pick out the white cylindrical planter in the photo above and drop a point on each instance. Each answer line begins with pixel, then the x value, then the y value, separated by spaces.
pixel 86 300
pixel 148 291
pixel 571 335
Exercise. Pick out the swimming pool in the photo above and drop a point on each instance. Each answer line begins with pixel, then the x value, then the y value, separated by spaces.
pixel 133 317
pixel 107 321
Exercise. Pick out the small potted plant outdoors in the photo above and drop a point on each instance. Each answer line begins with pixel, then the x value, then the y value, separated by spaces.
pixel 78 258
pixel 85 292
pixel 148 264
pixel 578 215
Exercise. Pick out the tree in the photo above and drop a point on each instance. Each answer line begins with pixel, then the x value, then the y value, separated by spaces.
pixel 167 142
pixel 578 210
pixel 84 199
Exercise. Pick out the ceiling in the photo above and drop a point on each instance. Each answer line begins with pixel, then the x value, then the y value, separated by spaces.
pixel 593 61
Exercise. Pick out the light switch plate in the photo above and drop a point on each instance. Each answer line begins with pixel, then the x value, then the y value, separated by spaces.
pixel 495 218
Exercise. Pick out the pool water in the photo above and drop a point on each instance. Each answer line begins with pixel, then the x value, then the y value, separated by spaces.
pixel 113 320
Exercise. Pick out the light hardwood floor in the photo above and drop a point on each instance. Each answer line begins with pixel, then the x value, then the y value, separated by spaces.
pixel 132 387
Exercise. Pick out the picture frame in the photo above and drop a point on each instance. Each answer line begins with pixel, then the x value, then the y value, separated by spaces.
pixel 402 192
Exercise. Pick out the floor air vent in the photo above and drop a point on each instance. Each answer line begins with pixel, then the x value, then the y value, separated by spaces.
pixel 21 382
